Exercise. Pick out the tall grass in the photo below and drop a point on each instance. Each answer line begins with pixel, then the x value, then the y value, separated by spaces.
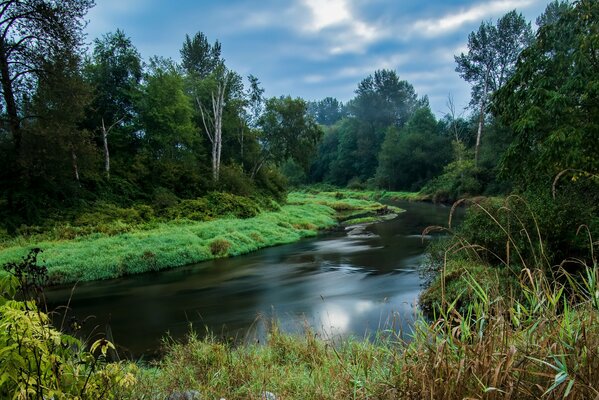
pixel 539 339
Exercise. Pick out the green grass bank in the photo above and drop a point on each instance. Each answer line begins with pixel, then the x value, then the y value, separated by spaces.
pixel 181 241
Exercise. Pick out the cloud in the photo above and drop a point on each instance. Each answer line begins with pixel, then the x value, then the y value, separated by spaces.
pixel 344 32
pixel 327 13
pixel 434 27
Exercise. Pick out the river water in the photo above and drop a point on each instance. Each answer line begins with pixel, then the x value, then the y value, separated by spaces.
pixel 336 284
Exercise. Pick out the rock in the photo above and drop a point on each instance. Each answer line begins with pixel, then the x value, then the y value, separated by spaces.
pixel 186 395
pixel 268 396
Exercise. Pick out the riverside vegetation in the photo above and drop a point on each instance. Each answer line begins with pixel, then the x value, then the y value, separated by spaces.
pixel 115 166
pixel 537 337
pixel 219 225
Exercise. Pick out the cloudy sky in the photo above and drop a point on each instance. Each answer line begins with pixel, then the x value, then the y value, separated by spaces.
pixel 317 48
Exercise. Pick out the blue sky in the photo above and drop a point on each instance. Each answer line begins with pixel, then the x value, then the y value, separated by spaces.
pixel 317 48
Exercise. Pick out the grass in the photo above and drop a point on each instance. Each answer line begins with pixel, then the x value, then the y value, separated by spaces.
pixel 181 242
pixel 512 331
pixel 537 340
pixel 498 348
pixel 372 195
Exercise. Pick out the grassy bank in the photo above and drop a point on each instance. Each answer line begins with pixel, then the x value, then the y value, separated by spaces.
pixel 182 241
pixel 498 348
pixel 497 331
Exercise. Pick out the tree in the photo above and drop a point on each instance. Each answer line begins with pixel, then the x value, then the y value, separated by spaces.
pixel 327 111
pixel 198 57
pixel 383 100
pixel 212 86
pixel 288 132
pixel 552 102
pixel 492 54
pixel 114 71
pixel 411 156
pixel 553 13
pixel 169 135
pixel 32 32
pixel 212 119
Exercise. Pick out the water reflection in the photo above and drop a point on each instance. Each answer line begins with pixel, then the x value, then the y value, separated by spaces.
pixel 335 284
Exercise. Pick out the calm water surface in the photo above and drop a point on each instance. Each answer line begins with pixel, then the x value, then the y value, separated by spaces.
pixel 338 284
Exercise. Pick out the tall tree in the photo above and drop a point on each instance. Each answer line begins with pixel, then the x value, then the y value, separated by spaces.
pixel 209 83
pixel 327 111
pixel 492 54
pixel 32 32
pixel 553 12
pixel 212 117
pixel 383 100
pixel 170 142
pixel 198 57
pixel 114 71
pixel 288 132
pixel 552 101
pixel 58 152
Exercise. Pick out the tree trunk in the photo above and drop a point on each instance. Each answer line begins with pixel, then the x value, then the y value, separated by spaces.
pixel 106 152
pixel 242 131
pixel 75 166
pixel 481 119
pixel 481 122
pixel 9 98
pixel 218 104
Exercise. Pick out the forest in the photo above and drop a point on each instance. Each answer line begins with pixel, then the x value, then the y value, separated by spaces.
pixel 106 156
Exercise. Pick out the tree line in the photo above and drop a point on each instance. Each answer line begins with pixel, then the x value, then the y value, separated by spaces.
pixel 81 125
pixel 103 124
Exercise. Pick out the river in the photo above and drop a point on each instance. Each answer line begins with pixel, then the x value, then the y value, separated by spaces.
pixel 338 285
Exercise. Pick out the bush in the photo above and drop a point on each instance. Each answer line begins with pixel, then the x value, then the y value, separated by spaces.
pixel 232 179
pixel 194 209
pixel 41 362
pixel 220 247
pixel 223 204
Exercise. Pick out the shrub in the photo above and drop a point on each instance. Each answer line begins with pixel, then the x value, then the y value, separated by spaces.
pixel 232 179
pixel 41 362
pixel 222 204
pixel 220 247
pixel 193 209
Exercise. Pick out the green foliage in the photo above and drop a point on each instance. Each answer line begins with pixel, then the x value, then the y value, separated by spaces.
pixel 295 174
pixel 551 101
pixel 460 178
pixel 412 156
pixel 383 100
pixel 288 132
pixel 327 111
pixel 39 361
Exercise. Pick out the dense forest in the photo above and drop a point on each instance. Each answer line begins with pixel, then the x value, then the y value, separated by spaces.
pixel 99 125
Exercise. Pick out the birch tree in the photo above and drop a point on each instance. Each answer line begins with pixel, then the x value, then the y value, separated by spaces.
pixel 212 119
pixel 492 54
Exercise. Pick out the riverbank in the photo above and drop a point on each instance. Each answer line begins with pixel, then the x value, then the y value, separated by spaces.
pixel 181 241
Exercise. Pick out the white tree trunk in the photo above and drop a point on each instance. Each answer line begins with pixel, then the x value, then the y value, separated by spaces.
pixel 213 124
pixel 106 152
pixel 75 165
